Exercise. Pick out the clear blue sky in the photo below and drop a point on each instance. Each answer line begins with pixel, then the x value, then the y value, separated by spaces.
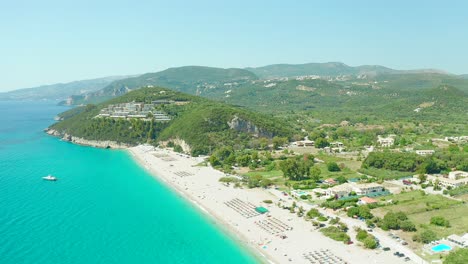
pixel 45 42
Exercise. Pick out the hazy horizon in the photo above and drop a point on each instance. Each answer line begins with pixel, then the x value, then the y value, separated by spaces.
pixel 56 42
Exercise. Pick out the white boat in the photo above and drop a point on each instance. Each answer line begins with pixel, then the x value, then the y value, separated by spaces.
pixel 49 178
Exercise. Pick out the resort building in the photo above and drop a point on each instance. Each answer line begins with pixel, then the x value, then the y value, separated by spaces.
pixel 346 189
pixel 425 152
pixel 454 179
pixel 461 241
pixel 135 110
pixel 340 191
pixel 367 188
pixel 387 141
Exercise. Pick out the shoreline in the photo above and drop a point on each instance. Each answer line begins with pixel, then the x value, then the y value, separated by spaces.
pixel 220 223
pixel 201 187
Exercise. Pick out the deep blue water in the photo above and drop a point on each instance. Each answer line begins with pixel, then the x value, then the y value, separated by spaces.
pixel 103 209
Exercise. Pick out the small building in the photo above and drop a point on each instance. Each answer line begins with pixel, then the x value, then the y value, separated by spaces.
pixel 366 200
pixel 330 181
pixel 386 141
pixel 306 143
pixel 339 191
pixel 426 152
pixel 456 175
pixel 367 188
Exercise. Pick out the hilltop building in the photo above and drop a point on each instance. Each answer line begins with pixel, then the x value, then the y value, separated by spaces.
pixel 135 110
pixel 427 152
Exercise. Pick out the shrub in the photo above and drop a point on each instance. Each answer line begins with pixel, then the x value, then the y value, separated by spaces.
pixel 440 221
pixel 370 242
pixel 335 233
pixel 332 166
pixel 312 213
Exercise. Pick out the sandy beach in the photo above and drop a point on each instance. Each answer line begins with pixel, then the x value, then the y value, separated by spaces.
pixel 232 208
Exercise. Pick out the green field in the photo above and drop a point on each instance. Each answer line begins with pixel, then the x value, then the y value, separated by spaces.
pixel 420 208
pixel 385 174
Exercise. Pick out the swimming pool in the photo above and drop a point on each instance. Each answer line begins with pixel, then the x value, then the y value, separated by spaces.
pixel 441 247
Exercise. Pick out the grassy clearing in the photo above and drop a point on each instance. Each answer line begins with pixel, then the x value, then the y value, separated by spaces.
pixel 266 174
pixel 385 174
pixel 420 208
pixel 346 172
pixel 415 202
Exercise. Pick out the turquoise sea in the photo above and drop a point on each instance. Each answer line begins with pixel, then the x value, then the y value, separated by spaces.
pixel 103 209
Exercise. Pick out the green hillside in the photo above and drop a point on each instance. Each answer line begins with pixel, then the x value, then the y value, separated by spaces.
pixel 203 124
pixel 365 101
pixel 189 79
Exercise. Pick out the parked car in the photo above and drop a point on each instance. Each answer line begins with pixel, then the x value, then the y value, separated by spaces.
pixel 349 242
pixel 407 259
pixel 386 249
pixel 404 243
pixel 396 253
pixel 370 230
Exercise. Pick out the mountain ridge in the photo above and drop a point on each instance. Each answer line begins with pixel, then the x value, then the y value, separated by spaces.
pixel 60 91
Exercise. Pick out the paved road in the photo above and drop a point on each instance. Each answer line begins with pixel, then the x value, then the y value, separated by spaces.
pixel 381 235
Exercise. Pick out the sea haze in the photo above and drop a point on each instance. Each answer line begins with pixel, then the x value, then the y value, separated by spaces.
pixel 103 209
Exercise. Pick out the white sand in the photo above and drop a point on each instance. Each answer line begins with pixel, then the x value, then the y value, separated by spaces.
pixel 204 190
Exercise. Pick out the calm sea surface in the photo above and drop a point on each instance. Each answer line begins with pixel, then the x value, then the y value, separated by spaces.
pixel 103 209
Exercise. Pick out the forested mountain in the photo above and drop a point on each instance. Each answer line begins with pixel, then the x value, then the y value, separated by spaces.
pixel 190 79
pixel 60 91
pixel 201 123
pixel 331 69
pixel 368 101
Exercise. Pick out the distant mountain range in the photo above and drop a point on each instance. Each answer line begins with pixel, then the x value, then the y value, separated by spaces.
pixel 60 91
pixel 185 79
pixel 200 80
pixel 332 69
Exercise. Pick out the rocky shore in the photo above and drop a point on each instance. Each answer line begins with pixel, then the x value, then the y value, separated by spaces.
pixel 86 142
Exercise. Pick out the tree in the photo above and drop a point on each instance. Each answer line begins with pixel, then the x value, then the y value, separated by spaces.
pixel 332 166
pixel 279 142
pixel 364 212
pixel 407 226
pixel 315 173
pixel 254 181
pixel 353 211
pixel 321 143
pixel 458 256
pixel 437 185
pixel 265 182
pixel 214 161
pixel 427 236
pixel 422 177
